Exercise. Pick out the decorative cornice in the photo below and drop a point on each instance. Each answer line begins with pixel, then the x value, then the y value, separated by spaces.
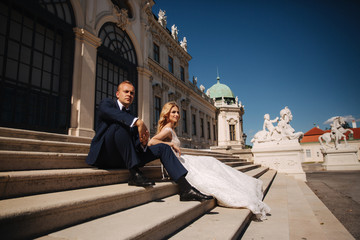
pixel 122 17
pixel 187 87
pixel 85 36
pixel 165 36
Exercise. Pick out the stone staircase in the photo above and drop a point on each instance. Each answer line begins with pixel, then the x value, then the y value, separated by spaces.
pixel 47 191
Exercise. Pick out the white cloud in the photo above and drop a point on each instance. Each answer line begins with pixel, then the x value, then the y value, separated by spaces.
pixel 348 118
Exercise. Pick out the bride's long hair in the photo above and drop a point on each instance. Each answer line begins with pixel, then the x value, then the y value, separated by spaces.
pixel 164 115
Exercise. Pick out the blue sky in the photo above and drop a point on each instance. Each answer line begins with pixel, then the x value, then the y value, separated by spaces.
pixel 304 54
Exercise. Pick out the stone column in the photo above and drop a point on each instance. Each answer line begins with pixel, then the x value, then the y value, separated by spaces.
pixel 83 92
pixel 143 93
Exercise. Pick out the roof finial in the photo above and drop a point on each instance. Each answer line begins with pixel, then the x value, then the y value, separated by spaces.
pixel 218 78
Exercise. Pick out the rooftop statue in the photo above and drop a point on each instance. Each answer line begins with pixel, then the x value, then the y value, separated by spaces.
pixel 282 132
pixel 174 32
pixel 337 133
pixel 162 18
pixel 183 44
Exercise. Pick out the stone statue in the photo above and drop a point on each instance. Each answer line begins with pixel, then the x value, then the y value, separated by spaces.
pixel 174 32
pixel 162 18
pixel 202 88
pixel 282 132
pixel 337 133
pixel 183 44
pixel 208 92
pixel 194 80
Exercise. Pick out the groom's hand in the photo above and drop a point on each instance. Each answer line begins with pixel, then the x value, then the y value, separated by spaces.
pixel 143 132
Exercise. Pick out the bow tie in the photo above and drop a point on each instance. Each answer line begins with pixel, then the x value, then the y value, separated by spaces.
pixel 125 110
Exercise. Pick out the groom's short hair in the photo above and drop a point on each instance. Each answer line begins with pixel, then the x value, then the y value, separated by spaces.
pixel 125 82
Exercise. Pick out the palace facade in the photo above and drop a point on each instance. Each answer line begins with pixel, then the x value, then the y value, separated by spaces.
pixel 59 59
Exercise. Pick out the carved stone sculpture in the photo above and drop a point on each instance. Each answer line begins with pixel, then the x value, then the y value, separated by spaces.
pixel 183 44
pixel 162 18
pixel 337 133
pixel 174 32
pixel 282 132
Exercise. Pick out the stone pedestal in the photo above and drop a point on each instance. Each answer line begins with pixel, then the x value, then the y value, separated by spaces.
pixel 284 157
pixel 343 158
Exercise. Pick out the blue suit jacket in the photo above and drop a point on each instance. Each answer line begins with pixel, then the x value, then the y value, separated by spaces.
pixel 110 113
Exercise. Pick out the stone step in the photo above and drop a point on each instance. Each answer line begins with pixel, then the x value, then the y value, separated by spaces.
pixel 296 213
pixel 24 160
pixel 155 220
pixel 277 199
pixel 222 223
pixel 32 216
pixel 33 145
pixel 22 183
pixel 28 134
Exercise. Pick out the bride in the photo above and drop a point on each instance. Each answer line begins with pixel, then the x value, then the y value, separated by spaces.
pixel 229 186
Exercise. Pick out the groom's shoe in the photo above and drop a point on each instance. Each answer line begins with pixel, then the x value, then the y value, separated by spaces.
pixel 137 179
pixel 193 194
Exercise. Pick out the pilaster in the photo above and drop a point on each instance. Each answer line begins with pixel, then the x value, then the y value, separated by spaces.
pixel 83 92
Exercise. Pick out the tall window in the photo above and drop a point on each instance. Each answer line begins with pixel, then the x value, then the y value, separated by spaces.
pixel 193 124
pixel 308 153
pixel 116 62
pixel 209 131
pixel 156 53
pixel 171 64
pixel 184 121
pixel 202 127
pixel 214 128
pixel 157 109
pixel 36 64
pixel 232 132
pixel 182 74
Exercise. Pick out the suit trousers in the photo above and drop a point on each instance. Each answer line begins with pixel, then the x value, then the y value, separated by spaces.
pixel 119 151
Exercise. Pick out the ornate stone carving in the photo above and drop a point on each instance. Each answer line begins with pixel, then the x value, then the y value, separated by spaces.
pixel 123 18
pixel 174 32
pixel 174 96
pixel 162 18
pixel 282 132
pixel 157 90
pixel 183 44
pixel 337 133
pixel 185 103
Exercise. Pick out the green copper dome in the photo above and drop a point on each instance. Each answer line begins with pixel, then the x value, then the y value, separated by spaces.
pixel 220 90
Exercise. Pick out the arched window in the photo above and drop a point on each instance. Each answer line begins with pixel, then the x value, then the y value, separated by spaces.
pixel 36 64
pixel 116 62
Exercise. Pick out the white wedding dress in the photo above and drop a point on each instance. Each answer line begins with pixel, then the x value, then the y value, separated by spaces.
pixel 230 187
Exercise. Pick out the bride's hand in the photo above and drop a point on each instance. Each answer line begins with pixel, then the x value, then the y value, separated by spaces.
pixel 176 149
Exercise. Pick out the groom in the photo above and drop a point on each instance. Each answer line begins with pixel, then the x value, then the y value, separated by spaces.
pixel 121 142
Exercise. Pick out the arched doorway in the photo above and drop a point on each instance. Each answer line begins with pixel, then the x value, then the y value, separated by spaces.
pixel 36 64
pixel 116 62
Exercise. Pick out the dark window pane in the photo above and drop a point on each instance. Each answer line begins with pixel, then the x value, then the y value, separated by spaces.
pixel 47 63
pixel 24 72
pixel 27 36
pixel 49 46
pixel 37 59
pixel 28 22
pixel 46 81
pixel 25 55
pixel 39 42
pixel 36 77
pixel 13 50
pixel 11 69
pixel 3 22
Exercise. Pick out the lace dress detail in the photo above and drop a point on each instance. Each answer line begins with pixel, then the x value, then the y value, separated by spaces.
pixel 229 186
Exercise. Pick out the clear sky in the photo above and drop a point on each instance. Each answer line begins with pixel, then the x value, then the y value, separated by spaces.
pixel 304 54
